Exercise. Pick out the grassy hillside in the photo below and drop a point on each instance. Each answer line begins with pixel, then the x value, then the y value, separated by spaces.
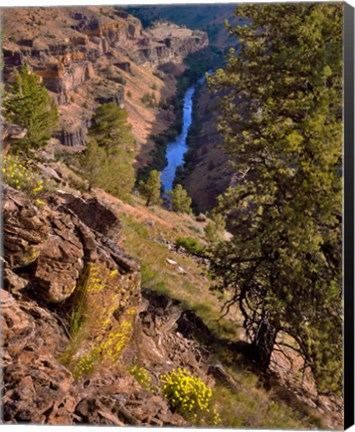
pixel 148 235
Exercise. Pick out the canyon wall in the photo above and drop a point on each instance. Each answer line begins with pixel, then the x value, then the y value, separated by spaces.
pixel 80 53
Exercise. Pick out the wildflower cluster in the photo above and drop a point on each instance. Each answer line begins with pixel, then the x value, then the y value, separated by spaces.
pixel 23 178
pixel 85 364
pixel 108 348
pixel 142 376
pixel 189 395
pixel 99 331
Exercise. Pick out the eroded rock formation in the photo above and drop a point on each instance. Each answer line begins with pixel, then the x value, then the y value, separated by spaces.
pixel 83 50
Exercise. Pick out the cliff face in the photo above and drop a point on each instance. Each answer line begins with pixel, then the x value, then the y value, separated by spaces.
pixel 168 42
pixel 209 18
pixel 79 52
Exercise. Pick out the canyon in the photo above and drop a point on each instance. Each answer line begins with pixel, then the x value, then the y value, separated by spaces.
pixel 96 286
pixel 88 56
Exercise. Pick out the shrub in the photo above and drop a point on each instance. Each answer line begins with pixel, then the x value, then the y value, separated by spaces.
pixel 191 245
pixel 149 100
pixel 189 395
pixel 24 178
pixel 180 200
pixel 141 376
pixel 215 228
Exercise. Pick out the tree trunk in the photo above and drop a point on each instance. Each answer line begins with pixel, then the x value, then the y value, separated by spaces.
pixel 264 342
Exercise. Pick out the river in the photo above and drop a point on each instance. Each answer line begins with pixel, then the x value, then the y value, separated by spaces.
pixel 176 149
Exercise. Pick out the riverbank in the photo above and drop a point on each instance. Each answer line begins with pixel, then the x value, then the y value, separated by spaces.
pixel 206 172
pixel 176 149
pixel 197 64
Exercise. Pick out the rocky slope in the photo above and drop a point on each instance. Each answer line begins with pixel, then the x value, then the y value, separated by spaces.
pixel 62 265
pixel 85 56
pixel 76 319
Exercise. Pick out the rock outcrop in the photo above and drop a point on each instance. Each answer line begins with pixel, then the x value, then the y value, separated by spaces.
pixel 72 138
pixel 74 320
pixel 9 133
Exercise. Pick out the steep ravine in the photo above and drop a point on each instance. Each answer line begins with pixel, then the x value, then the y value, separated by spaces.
pixel 176 149
pixel 79 311
pixel 206 172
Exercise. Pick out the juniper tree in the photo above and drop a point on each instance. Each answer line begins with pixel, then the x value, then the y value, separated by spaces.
pixel 151 188
pixel 93 163
pixel 281 118
pixel 28 104
pixel 180 200
pixel 113 134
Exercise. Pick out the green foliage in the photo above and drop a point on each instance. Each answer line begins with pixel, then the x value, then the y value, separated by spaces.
pixel 19 175
pixel 191 245
pixel 108 160
pixel 189 395
pixel 28 104
pixel 281 117
pixel 210 231
pixel 215 228
pixel 180 200
pixel 253 406
pixel 93 161
pixel 150 189
pixel 149 100
pixel 97 337
pixel 111 129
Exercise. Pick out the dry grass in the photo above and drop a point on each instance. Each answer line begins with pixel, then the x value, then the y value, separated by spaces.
pixel 143 234
pixel 252 406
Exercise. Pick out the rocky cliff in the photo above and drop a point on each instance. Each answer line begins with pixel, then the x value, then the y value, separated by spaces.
pixel 75 320
pixel 79 53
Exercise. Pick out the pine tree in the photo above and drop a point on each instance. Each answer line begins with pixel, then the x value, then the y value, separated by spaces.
pixel 281 117
pixel 151 188
pixel 111 129
pixel 180 200
pixel 113 135
pixel 28 104
pixel 93 161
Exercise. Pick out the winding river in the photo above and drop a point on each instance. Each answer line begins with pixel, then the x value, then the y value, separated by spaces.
pixel 176 149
